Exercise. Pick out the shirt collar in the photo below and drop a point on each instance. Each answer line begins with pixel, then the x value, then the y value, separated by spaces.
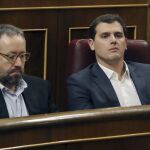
pixel 110 73
pixel 2 86
pixel 22 85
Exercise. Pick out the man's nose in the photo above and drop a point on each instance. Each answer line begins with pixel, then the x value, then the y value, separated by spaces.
pixel 18 62
pixel 113 38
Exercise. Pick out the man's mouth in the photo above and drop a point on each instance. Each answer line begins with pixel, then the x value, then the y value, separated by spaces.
pixel 15 72
pixel 114 49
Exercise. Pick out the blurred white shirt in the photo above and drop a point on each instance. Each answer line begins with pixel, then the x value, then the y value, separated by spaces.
pixel 124 88
pixel 14 100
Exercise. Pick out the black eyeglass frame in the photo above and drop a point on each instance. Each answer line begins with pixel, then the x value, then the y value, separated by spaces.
pixel 12 58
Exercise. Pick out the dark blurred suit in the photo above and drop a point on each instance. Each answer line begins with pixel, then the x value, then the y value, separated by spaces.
pixel 91 88
pixel 37 97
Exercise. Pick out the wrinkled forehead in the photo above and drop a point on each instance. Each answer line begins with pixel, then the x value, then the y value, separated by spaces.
pixel 12 43
pixel 11 36
pixel 7 39
pixel 109 27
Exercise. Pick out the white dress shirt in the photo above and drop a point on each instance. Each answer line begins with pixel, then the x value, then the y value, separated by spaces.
pixel 14 100
pixel 124 88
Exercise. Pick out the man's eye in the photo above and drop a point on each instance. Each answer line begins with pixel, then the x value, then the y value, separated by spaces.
pixel 119 35
pixel 104 36
pixel 12 56
pixel 22 56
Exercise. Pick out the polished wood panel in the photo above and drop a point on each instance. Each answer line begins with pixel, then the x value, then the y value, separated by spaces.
pixel 148 23
pixel 114 128
pixel 57 3
pixel 35 39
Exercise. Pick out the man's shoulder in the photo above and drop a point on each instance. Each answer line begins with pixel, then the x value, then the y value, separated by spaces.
pixel 83 74
pixel 138 65
pixel 33 79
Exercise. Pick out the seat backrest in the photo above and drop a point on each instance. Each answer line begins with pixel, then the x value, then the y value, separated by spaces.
pixel 138 51
pixel 79 54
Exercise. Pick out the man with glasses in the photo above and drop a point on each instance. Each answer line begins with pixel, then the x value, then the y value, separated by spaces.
pixel 110 81
pixel 20 94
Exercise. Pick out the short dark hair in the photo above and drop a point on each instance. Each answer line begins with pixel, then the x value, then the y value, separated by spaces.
pixel 10 30
pixel 107 18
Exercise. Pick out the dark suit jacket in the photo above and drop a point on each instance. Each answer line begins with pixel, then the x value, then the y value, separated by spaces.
pixel 37 97
pixel 91 88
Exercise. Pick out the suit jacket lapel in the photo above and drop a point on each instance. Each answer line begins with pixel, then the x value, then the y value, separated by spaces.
pixel 104 85
pixel 3 107
pixel 31 102
pixel 139 83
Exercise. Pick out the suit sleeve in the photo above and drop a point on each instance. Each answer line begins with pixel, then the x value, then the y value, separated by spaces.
pixel 78 94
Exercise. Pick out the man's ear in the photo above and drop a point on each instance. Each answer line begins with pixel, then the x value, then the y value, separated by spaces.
pixel 91 44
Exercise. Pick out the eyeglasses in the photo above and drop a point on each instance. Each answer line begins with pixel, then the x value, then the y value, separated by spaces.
pixel 13 57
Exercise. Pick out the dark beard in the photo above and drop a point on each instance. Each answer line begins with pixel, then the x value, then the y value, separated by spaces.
pixel 9 81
